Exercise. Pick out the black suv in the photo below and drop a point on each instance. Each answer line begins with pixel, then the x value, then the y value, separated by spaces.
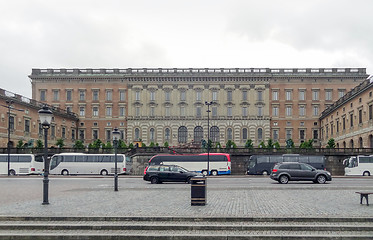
pixel 168 173
pixel 292 171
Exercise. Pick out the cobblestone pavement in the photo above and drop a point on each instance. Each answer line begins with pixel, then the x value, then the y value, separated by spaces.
pixel 230 197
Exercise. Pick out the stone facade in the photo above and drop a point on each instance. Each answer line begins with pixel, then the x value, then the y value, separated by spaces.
pixel 349 121
pixel 168 105
pixel 24 122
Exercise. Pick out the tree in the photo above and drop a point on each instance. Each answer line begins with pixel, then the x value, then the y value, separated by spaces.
pixel 277 145
pixel 78 144
pixel 307 144
pixel 165 144
pixel 262 145
pixel 60 143
pixel 130 145
pixel 39 143
pixel 289 143
pixel 121 144
pixel 151 144
pixel 331 143
pixel 218 145
pixel 270 144
pixel 20 144
pixel 230 144
pixel 249 144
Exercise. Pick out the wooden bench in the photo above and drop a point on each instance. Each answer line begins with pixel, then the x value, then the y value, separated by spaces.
pixel 364 195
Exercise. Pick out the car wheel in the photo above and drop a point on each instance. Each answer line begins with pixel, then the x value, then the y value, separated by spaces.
pixel 189 180
pixel 366 173
pixel 284 179
pixel 65 172
pixel 214 173
pixel 104 172
pixel 12 172
pixel 265 173
pixel 204 172
pixel 154 180
pixel 321 179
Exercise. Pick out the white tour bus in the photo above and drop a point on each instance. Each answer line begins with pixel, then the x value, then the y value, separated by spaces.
pixel 21 164
pixel 81 163
pixel 359 165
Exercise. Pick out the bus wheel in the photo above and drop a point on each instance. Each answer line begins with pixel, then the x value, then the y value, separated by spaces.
pixel 104 172
pixel 366 173
pixel 204 172
pixel 265 173
pixel 214 173
pixel 154 180
pixel 65 172
pixel 12 172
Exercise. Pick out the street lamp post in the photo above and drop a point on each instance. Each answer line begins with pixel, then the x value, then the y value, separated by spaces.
pixel 9 103
pixel 116 137
pixel 208 136
pixel 45 116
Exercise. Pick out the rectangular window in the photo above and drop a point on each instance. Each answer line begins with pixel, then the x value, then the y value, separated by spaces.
pixel 260 111
pixel 109 111
pixel 56 95
pixel 152 111
pixel 214 111
pixel 53 131
pixel 351 120
pixel 81 95
pixel 137 95
pixel 229 95
pixel 315 110
pixel 122 111
pixel 370 112
pixel 301 134
pixel 137 111
pixel 167 111
pixel 244 112
pixel 289 111
pixel 152 96
pixel 73 134
pixel 328 95
pixel 275 111
pixel 69 109
pixel 341 93
pixel 315 134
pixel 69 95
pixel 109 95
pixel 27 125
pixel 183 96
pixel 288 95
pixel 95 95
pixel 315 95
pixel 122 95
pixel 198 111
pixel 288 134
pixel 302 95
pixel 167 96
pixel 95 134
pixel 198 96
pixel 260 95
pixel 360 116
pixel 229 111
pixel 182 111
pixel 275 134
pixel 43 94
pixel 244 95
pixel 108 135
pixel 82 111
pixel 337 126
pixel 95 111
pixel 343 123
pixel 302 111
pixel 275 95
pixel 63 132
pixel 214 96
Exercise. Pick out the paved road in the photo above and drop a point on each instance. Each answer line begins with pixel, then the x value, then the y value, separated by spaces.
pixel 231 196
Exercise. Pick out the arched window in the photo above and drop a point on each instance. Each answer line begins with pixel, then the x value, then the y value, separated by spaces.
pixel 344 144
pixel 214 134
pixel 371 141
pixel 137 134
pixel 229 134
pixel 352 143
pixel 360 142
pixel 198 134
pixel 151 135
pixel 244 134
pixel 182 134
pixel 260 133
pixel 167 134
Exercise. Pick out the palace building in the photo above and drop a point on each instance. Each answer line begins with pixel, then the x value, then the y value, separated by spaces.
pixel 168 104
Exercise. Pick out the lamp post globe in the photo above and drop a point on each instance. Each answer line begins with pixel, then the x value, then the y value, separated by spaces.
pixel 45 117
pixel 116 137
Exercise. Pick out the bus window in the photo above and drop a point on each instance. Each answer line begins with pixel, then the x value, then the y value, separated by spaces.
pixel 68 159
pixel 262 159
pixel 80 159
pixel 39 158
pixel 275 159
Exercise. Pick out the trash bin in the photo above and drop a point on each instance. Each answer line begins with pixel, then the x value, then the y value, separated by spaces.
pixel 198 191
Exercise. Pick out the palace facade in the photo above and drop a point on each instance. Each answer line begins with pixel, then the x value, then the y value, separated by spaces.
pixel 169 104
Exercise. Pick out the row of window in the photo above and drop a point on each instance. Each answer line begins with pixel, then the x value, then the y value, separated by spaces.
pixel 82 95
pixel 289 110
pixel 95 111
pixel 302 94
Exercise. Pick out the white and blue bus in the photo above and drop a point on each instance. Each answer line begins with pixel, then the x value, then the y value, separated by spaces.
pixel 219 163
pixel 21 164
pixel 263 164
pixel 81 163
pixel 359 165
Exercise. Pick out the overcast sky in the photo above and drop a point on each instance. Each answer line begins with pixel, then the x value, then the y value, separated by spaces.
pixel 188 33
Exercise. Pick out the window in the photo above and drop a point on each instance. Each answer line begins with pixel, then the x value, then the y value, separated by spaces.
pixel 182 111
pixel 82 111
pixel 288 134
pixel 214 134
pixel 260 111
pixel 302 95
pixel 275 95
pixel 167 111
pixel 73 134
pixel 81 134
pixel 244 112
pixel 351 120
pixel 315 110
pixel 108 135
pixel 289 111
pixel 260 95
pixel 82 95
pixel 69 95
pixel 151 135
pixel 95 134
pixel 56 95
pixel 244 134
pixel 95 95
pixel 302 111
pixel 198 96
pixel 328 95
pixel 167 96
pixel 109 95
pixel 122 111
pixel 122 95
pixel 315 95
pixel 244 95
pixel 315 134
pixel 301 134
pixel 95 111
pixel 214 96
pixel 370 112
pixel 27 125
pixel 152 96
pixel 43 94
pixel 229 134
pixel 275 134
pixel 344 123
pixel 198 134
pixel 260 133
pixel 137 134
pixel 63 132
pixel 167 134
pixel 152 111
pixel 229 111
pixel 275 111
pixel 288 95
pixel 182 134
pixel 109 111
pixel 341 93
pixel 137 95
pixel 229 95
pixel 214 111
pixel 137 111
pixel 360 116
pixel 198 111
pixel 183 96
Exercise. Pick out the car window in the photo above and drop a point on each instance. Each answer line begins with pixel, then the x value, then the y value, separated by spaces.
pixel 164 169
pixel 294 166
pixel 306 167
pixel 152 168
pixel 174 169
pixel 285 166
